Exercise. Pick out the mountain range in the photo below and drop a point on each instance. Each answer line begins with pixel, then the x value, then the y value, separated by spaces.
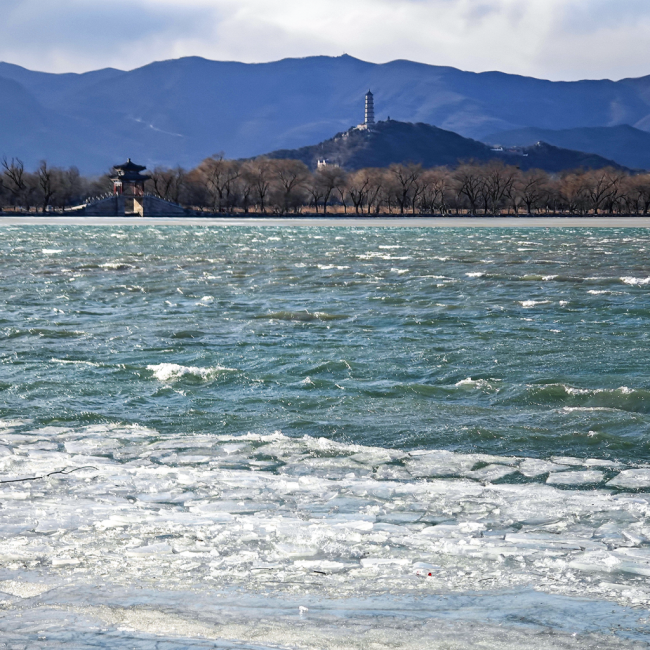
pixel 391 141
pixel 180 111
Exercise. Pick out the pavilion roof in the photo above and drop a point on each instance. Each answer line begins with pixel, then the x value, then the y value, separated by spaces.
pixel 129 166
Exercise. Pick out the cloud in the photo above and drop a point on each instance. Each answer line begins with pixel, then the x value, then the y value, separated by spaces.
pixel 557 39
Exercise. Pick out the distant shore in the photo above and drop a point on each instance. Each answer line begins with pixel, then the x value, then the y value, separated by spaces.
pixel 351 221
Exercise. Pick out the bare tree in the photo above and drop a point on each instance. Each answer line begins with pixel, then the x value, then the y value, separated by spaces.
pixel 498 184
pixel 574 193
pixel 377 183
pixel 246 185
pixel 315 189
pixel 436 188
pixel 533 187
pixel 330 178
pixel 15 179
pixel 261 175
pixel 168 183
pixel 219 176
pixel 358 187
pixel 290 177
pixel 48 185
pixel 601 187
pixel 469 184
pixel 405 178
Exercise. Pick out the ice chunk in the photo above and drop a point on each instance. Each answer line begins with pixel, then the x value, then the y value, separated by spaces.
pixel 324 566
pixel 632 479
pixel 439 464
pixel 491 473
pixel 568 460
pixel 151 549
pixel 374 562
pixel 532 467
pixel 575 478
pixel 596 462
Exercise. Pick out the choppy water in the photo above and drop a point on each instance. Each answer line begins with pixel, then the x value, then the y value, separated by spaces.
pixel 305 415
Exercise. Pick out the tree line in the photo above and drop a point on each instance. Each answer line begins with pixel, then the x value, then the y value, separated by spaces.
pixel 271 186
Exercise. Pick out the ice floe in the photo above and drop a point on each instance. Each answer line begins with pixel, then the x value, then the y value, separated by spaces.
pixel 263 511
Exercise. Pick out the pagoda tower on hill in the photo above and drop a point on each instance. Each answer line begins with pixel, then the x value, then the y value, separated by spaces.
pixel 370 110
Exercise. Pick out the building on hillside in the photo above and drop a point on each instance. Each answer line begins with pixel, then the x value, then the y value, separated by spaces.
pixel 324 162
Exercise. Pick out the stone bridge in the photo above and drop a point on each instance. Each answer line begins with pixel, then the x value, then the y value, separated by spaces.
pixel 117 205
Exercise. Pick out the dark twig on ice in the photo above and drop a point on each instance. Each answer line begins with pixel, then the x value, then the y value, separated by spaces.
pixel 64 471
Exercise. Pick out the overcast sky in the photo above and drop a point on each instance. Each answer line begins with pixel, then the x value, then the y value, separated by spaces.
pixel 554 39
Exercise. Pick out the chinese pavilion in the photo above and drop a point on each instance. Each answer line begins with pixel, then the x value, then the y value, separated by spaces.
pixel 128 179
pixel 128 187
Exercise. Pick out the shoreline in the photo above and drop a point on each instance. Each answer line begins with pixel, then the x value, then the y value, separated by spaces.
pixel 336 221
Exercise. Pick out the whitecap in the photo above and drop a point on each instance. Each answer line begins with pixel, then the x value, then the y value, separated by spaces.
pixel 527 304
pixel 167 372
pixel 475 383
pixel 635 281
pixel 475 275
pixel 206 300
pixel 116 266
pixel 75 362
pixel 52 251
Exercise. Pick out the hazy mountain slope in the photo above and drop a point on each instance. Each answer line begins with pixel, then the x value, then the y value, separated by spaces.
pixel 624 144
pixel 402 142
pixel 179 111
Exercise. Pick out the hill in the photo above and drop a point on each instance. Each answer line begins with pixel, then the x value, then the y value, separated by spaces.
pixel 402 142
pixel 180 111
pixel 624 144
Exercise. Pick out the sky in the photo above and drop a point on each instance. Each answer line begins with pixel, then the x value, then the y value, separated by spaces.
pixel 552 39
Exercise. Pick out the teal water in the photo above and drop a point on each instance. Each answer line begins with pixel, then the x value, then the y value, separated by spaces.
pixel 337 433
pixel 532 342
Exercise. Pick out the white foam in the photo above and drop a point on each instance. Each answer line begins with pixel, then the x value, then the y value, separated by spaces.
pixel 527 304
pixel 474 383
pixel 74 362
pixel 169 372
pixel 635 281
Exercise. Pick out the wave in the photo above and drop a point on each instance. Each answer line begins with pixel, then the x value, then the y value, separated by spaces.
pixel 76 362
pixel 527 304
pixel 117 266
pixel 635 281
pixel 621 399
pixel 169 372
pixel 302 316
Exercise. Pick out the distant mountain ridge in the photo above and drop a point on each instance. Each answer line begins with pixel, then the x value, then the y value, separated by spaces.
pixel 624 144
pixel 391 142
pixel 180 111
